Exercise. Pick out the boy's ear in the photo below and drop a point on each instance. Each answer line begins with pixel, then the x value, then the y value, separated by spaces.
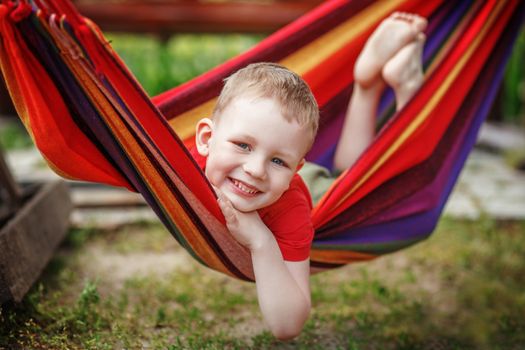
pixel 203 134
pixel 299 167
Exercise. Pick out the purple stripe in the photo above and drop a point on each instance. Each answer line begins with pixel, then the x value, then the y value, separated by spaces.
pixel 84 115
pixel 434 192
pixel 375 203
pixel 194 95
pixel 440 26
pixel 418 226
pixel 143 139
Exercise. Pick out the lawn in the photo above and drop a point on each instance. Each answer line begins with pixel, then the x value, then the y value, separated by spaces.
pixel 136 288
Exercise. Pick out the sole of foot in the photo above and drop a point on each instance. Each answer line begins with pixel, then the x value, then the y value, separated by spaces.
pixel 391 35
pixel 404 71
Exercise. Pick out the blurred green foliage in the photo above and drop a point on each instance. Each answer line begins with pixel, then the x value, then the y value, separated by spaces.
pixel 513 88
pixel 161 65
pixel 14 136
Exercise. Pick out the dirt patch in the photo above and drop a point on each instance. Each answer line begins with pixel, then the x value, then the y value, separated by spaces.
pixel 111 259
pixel 112 269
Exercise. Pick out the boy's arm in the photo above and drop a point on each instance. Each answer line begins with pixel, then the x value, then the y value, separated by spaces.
pixel 283 288
pixel 359 126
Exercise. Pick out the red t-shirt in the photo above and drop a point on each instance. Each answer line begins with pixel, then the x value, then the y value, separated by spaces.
pixel 289 218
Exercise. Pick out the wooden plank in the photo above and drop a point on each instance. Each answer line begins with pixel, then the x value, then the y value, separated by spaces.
pixel 6 105
pixel 8 182
pixel 28 240
pixel 105 197
pixel 10 193
pixel 167 17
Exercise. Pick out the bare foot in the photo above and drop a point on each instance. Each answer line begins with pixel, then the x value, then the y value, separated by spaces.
pixel 393 33
pixel 404 71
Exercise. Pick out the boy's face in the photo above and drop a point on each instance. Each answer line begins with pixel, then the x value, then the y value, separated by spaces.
pixel 252 152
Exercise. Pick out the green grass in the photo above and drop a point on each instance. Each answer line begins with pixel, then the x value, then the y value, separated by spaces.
pixel 136 288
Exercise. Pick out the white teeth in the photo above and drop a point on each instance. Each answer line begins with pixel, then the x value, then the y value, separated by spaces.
pixel 243 188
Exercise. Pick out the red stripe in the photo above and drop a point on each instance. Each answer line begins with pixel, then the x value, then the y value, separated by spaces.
pixel 155 126
pixel 52 127
pixel 419 146
pixel 274 48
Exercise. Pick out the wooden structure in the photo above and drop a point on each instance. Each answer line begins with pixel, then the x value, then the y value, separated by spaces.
pixel 165 17
pixel 33 221
pixel 6 105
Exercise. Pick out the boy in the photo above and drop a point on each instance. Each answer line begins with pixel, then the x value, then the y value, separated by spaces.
pixel 263 125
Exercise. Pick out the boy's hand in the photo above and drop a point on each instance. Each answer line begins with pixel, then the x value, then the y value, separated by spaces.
pixel 247 228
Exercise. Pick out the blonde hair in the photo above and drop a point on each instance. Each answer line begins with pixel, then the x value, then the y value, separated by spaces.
pixel 271 80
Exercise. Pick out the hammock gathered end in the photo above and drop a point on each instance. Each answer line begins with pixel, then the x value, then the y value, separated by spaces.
pixel 92 121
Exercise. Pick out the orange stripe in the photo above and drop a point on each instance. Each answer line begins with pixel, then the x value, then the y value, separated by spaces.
pixel 423 115
pixel 338 256
pixel 143 165
pixel 301 61
pixel 320 49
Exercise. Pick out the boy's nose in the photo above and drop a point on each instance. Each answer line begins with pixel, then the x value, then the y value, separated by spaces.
pixel 255 167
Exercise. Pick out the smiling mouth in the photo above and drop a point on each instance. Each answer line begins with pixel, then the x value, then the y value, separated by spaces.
pixel 243 187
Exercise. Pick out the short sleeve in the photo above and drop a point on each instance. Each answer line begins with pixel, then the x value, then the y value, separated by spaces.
pixel 289 219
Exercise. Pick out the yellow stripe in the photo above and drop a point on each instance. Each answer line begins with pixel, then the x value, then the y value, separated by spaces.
pixel 338 256
pixel 303 60
pixel 184 124
pixel 434 100
pixel 322 48
pixel 154 182
pixel 454 37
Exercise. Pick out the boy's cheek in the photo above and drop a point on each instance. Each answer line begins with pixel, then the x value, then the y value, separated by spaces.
pixel 214 174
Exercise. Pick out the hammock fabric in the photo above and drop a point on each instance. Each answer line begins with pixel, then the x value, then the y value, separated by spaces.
pixel 92 121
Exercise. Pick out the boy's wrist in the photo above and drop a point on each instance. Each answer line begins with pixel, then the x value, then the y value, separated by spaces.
pixel 263 241
pixel 374 89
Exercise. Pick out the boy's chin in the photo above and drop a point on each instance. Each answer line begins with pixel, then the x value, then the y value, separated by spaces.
pixel 245 206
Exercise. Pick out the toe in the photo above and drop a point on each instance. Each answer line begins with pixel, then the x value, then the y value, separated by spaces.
pixel 417 22
pixel 396 15
pixel 407 16
pixel 420 23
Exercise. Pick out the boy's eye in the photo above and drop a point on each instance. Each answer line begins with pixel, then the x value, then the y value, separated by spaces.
pixel 243 145
pixel 278 162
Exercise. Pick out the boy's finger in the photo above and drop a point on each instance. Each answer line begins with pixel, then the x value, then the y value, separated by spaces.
pixel 221 197
pixel 225 204
pixel 223 201
pixel 228 211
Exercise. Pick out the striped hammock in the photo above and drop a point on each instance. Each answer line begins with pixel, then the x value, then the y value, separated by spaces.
pixel 92 121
